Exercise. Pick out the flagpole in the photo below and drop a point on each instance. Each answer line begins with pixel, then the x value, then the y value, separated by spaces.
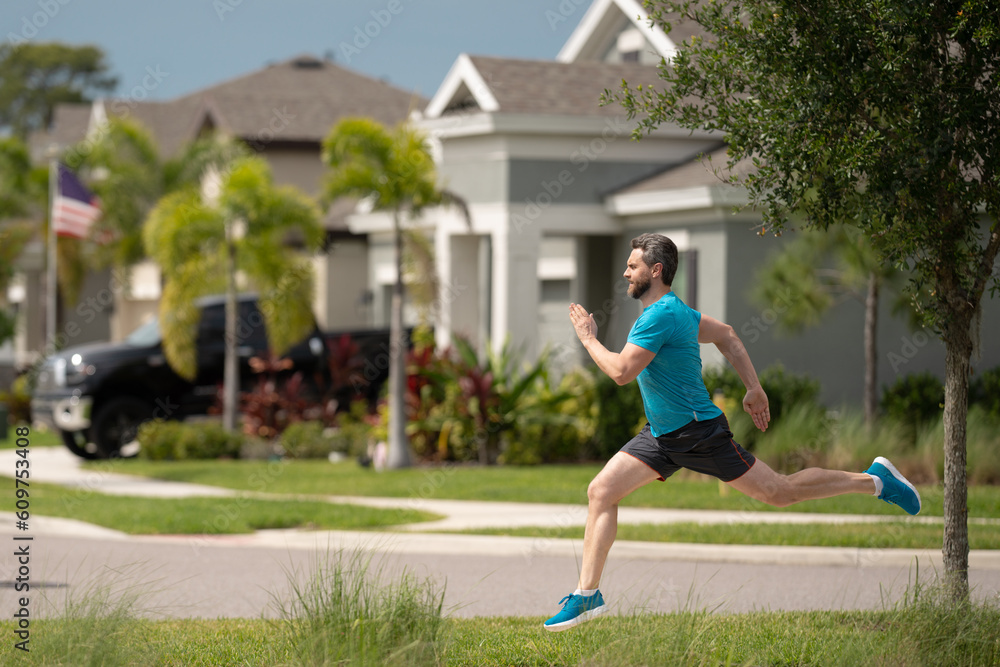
pixel 51 288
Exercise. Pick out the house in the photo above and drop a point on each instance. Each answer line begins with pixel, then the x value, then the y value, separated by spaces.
pixel 557 188
pixel 282 112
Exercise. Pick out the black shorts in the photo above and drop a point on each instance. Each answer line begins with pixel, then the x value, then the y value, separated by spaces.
pixel 703 446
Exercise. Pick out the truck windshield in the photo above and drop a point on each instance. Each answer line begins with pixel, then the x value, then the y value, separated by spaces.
pixel 147 334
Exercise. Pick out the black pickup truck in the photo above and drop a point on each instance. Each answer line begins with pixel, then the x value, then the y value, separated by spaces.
pixel 97 395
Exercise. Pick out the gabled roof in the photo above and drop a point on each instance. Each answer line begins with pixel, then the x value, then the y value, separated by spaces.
pixel 601 25
pixel 297 100
pixel 541 87
pixel 300 100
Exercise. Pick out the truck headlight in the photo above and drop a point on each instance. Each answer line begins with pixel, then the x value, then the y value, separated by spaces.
pixel 72 371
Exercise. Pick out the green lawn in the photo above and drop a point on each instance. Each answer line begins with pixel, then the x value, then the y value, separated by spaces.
pixel 36 437
pixel 541 484
pixel 239 514
pixel 926 636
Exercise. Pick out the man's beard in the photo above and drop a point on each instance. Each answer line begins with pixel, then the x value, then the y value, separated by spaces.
pixel 638 288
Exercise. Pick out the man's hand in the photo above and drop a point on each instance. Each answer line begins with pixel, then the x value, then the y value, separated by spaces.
pixel 755 405
pixel 583 322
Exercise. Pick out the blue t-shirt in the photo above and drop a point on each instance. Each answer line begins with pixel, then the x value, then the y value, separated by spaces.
pixel 673 392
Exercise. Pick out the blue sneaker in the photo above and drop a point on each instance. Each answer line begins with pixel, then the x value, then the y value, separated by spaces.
pixel 896 489
pixel 578 608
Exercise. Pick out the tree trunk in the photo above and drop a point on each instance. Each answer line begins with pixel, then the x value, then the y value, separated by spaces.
pixel 230 372
pixel 871 351
pixel 958 350
pixel 399 446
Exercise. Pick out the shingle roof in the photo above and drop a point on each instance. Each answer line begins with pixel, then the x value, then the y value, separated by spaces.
pixel 703 170
pixel 297 100
pixel 69 125
pixel 545 87
pixel 301 99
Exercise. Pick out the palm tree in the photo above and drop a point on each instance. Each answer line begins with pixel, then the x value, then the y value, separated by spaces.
pixel 123 168
pixel 238 220
pixel 394 170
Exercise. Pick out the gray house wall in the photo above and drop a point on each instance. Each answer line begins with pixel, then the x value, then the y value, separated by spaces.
pixel 833 350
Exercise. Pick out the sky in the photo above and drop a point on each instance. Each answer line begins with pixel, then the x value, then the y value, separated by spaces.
pixel 162 49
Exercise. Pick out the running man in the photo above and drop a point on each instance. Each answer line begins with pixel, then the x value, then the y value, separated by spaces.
pixel 685 429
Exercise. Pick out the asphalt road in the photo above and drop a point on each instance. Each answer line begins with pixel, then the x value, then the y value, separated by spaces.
pixel 252 576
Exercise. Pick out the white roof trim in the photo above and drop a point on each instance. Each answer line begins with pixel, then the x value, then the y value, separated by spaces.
pixel 599 13
pixel 674 199
pixel 462 72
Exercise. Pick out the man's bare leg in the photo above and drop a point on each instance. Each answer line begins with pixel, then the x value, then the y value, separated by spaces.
pixel 764 484
pixel 622 475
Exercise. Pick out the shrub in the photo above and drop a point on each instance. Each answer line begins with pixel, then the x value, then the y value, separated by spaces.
pixel 161 440
pixel 786 389
pixel 18 401
pixel 797 441
pixel 855 444
pixel 355 430
pixel 783 390
pixel 465 408
pixel 568 432
pixel 306 440
pixel 917 398
pixel 984 391
pixel 620 415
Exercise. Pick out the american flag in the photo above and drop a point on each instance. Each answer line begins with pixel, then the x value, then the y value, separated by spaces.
pixel 74 208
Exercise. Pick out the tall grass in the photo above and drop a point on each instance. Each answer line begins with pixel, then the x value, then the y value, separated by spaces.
pixel 936 630
pixel 99 625
pixel 370 624
pixel 806 437
pixel 346 613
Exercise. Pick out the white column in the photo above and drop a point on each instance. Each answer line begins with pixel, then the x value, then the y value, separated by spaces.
pixel 516 291
pixel 459 296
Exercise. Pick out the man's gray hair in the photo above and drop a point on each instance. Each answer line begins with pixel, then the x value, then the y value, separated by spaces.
pixel 658 249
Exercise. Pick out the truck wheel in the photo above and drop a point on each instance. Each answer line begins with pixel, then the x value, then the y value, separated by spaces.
pixel 78 443
pixel 117 424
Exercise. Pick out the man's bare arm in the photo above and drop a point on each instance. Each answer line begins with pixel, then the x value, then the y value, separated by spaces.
pixel 622 367
pixel 724 337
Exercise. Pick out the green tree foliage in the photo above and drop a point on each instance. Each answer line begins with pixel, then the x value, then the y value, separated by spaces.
pixel 35 77
pixel 880 115
pixel 185 235
pixel 19 198
pixel 122 166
